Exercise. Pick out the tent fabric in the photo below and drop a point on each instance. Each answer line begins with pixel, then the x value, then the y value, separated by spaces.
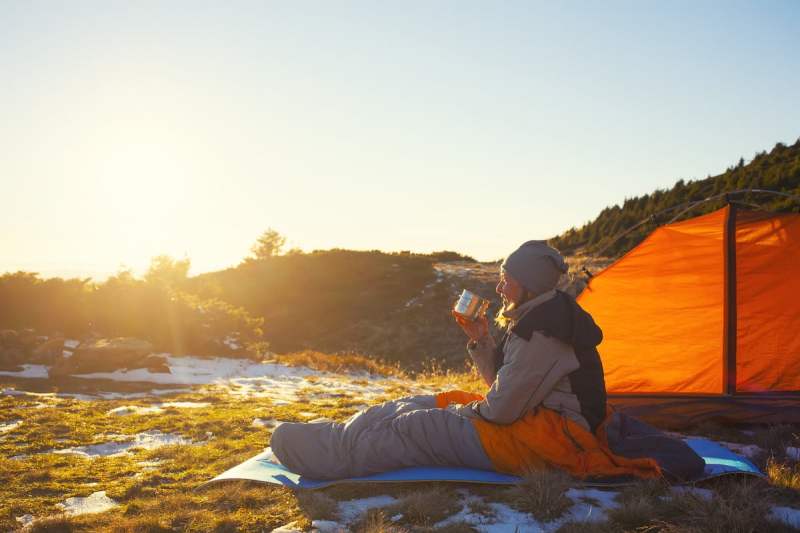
pixel 768 302
pixel 683 412
pixel 698 309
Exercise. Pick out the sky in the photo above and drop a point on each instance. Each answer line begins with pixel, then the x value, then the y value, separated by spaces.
pixel 134 129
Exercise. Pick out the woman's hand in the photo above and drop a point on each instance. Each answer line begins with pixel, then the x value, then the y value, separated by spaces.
pixel 475 329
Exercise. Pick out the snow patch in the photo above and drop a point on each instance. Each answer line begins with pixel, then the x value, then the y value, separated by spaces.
pixel 231 343
pixel 154 409
pixel 266 423
pixel 238 377
pixel 587 511
pixel 148 440
pixel 702 494
pixel 291 527
pixel 149 465
pixel 9 426
pixel 508 520
pixel 281 402
pixel 133 395
pixel 55 396
pixel 747 450
pixel 326 526
pixel 589 505
pixel 71 344
pixel 192 370
pixel 97 502
pixel 28 371
pixel 26 520
pixel 350 510
pixel 787 515
pixel 186 405
pixel 134 410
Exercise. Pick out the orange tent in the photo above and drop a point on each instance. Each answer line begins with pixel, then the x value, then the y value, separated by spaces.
pixel 702 320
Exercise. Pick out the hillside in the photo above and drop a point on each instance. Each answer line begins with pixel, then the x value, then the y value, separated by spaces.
pixel 778 170
pixel 395 306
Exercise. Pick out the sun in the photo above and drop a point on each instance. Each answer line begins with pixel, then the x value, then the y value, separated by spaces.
pixel 141 190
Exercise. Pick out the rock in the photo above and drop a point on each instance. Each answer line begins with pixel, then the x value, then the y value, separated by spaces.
pixel 25 346
pixel 9 337
pixel 11 357
pixel 156 363
pixel 28 339
pixel 48 352
pixel 108 355
pixel 12 352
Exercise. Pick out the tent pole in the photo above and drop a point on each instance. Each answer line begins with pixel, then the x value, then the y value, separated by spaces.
pixel 729 327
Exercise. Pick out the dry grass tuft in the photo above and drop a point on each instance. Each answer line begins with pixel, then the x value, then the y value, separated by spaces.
pixel 52 524
pixel 144 525
pixel 479 507
pixel 436 377
pixel 738 505
pixel 339 363
pixel 639 503
pixel 317 505
pixel 775 438
pixel 375 521
pixel 425 508
pixel 785 475
pixel 541 494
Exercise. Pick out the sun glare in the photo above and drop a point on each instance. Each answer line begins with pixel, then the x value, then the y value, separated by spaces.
pixel 143 187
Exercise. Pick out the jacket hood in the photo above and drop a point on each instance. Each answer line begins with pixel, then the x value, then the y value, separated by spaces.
pixel 584 330
pixel 563 318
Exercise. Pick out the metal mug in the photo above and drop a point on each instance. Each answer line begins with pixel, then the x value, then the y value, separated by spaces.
pixel 470 305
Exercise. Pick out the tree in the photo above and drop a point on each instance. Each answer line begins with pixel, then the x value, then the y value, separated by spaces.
pixel 269 244
pixel 168 271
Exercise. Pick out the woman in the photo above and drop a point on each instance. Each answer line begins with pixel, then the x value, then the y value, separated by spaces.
pixel 548 356
pixel 545 403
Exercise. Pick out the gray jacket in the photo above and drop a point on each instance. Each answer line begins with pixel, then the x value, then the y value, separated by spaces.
pixel 533 374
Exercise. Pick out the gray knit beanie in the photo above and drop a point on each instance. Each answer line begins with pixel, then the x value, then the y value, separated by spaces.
pixel 536 266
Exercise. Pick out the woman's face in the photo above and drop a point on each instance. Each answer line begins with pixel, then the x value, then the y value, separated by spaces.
pixel 509 288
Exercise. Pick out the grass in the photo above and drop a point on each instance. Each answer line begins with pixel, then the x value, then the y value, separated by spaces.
pixel 166 499
pixel 542 494
pixel 339 363
pixel 375 521
pixel 425 507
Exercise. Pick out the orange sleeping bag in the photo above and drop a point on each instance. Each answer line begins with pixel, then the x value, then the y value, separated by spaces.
pixel 544 439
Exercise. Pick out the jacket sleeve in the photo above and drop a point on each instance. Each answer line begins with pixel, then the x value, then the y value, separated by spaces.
pixel 484 355
pixel 531 371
